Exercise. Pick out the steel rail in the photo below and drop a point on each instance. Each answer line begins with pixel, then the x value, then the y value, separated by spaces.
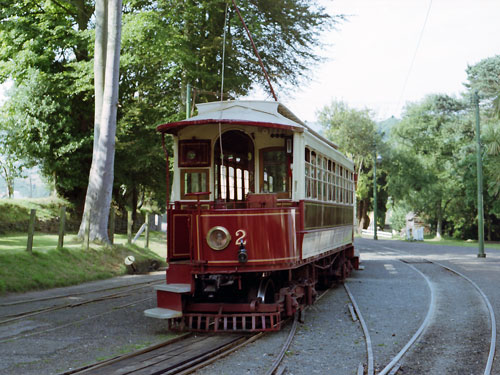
pixel 212 357
pixel 30 313
pixel 275 365
pixel 105 362
pixel 285 347
pixel 491 356
pixel 183 368
pixel 20 302
pixel 368 340
pixel 423 326
pixel 113 309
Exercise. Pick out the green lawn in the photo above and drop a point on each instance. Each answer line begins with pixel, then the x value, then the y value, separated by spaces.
pixel 444 241
pixel 157 242
pixel 43 242
pixel 454 242
pixel 49 267
pixel 18 210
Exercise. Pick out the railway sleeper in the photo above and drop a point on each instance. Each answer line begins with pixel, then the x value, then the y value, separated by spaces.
pixel 251 322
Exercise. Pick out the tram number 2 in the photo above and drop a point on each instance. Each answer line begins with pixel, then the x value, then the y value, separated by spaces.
pixel 240 237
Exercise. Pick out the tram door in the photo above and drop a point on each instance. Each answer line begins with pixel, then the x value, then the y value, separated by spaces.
pixel 234 174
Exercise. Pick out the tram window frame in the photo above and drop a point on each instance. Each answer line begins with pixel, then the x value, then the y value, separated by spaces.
pixel 308 171
pixel 262 164
pixel 320 173
pixel 327 180
pixel 204 172
pixel 194 153
pixel 314 175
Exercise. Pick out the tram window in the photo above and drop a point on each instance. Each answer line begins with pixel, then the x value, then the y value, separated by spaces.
pixel 231 183
pixel 320 178
pixel 194 181
pixel 194 153
pixel 234 174
pixel 314 190
pixel 332 182
pixel 246 181
pixel 274 171
pixel 239 189
pixel 341 185
pixel 325 179
pixel 223 181
pixel 308 173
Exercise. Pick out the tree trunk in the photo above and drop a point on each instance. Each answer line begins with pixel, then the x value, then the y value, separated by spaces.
pixel 439 226
pixel 488 228
pixel 363 219
pixel 106 67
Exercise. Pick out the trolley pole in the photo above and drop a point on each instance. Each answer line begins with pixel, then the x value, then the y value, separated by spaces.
pixel 375 192
pixel 480 215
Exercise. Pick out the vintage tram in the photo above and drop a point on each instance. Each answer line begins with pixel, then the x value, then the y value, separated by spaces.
pixel 261 215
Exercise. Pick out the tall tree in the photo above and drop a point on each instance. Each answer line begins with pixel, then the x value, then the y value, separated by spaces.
pixel 426 148
pixel 106 71
pixel 44 50
pixel 485 78
pixel 47 49
pixel 356 135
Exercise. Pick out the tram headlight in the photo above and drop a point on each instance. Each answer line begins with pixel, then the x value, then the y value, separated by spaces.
pixel 218 238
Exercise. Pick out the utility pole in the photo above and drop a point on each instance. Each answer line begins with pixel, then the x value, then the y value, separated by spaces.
pixel 188 101
pixel 375 192
pixel 480 215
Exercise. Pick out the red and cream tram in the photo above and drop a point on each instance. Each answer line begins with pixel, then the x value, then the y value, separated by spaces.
pixel 261 215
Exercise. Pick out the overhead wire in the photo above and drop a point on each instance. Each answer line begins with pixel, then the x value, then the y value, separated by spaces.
pixel 415 54
pixel 222 99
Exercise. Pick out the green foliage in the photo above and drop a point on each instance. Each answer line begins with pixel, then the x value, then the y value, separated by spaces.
pixel 491 139
pixel 15 210
pixel 356 135
pixel 44 49
pixel 485 78
pixel 398 216
pixel 352 130
pixel 21 271
pixel 47 132
pixel 426 144
pixel 47 48
pixel 433 166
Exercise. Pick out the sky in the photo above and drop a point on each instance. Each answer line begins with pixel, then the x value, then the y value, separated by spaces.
pixel 369 57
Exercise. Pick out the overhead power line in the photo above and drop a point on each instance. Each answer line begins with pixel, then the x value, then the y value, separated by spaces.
pixel 414 54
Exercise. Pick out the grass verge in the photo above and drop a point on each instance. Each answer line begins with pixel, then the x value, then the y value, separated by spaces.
pixel 49 267
pixel 446 241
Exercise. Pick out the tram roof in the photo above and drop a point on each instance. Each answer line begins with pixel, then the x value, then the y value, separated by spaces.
pixel 269 114
pixel 245 112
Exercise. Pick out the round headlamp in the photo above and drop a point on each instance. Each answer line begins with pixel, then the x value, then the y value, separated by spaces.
pixel 218 238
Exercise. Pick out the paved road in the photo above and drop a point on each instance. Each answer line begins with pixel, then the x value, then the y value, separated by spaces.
pixel 485 272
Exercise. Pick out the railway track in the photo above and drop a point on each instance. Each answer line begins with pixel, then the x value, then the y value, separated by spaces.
pixel 10 324
pixel 8 316
pixel 182 355
pixel 185 354
pixel 438 345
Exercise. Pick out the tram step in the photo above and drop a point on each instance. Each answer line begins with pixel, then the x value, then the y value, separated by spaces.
pixel 174 288
pixel 161 313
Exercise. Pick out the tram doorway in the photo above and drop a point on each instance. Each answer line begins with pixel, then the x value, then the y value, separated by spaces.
pixel 234 174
